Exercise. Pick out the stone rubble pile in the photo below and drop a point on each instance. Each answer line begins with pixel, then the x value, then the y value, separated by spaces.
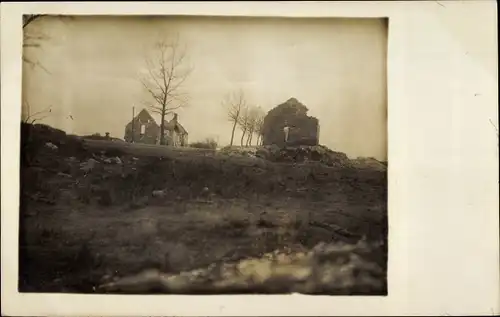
pixel 304 154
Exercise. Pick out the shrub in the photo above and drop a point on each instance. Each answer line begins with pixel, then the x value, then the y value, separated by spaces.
pixel 208 143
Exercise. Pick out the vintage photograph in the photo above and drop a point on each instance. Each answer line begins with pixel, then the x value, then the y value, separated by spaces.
pixel 203 155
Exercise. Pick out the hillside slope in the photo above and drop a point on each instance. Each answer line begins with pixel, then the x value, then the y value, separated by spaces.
pixel 90 216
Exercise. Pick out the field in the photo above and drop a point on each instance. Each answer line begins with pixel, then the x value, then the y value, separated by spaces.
pixel 100 216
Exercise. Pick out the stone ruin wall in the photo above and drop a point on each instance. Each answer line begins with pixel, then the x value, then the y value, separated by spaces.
pixel 303 131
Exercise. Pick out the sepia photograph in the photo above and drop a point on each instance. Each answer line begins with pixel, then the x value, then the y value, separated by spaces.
pixel 203 155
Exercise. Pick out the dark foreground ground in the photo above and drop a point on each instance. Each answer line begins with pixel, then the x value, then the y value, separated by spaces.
pixel 197 222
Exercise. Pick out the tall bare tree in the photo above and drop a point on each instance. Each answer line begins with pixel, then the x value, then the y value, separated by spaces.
pixel 234 104
pixel 253 115
pixel 166 73
pixel 259 123
pixel 243 121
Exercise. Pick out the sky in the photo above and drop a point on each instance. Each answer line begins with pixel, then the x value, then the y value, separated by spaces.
pixel 336 67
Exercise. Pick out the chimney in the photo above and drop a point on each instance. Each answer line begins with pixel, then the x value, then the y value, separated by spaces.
pixel 175 118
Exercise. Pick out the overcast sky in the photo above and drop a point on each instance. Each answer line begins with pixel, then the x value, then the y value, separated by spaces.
pixel 336 67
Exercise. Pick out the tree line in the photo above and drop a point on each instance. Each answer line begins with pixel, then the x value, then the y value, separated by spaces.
pixel 247 117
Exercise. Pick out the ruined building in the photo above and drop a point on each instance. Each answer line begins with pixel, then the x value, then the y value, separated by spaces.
pixel 144 129
pixel 175 134
pixel 304 130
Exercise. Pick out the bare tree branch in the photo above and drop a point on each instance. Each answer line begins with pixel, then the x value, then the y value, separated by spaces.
pixel 28 18
pixel 253 118
pixel 153 76
pixel 31 39
pixel 494 126
pixel 31 45
pixel 31 118
pixel 154 110
pixel 38 37
pixel 259 123
pixel 243 121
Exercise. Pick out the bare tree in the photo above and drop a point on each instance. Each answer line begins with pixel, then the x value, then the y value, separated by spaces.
pixel 259 123
pixel 166 74
pixel 253 114
pixel 243 122
pixel 234 103
pixel 31 118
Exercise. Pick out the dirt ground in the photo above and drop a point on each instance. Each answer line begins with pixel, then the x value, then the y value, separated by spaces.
pixel 87 216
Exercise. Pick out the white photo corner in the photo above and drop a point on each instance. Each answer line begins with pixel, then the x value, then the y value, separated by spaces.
pixel 245 158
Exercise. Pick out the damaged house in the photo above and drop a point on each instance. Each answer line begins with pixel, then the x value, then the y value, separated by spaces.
pixel 304 130
pixel 175 134
pixel 144 129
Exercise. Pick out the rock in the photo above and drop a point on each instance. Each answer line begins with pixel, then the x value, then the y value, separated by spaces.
pixel 89 165
pixel 118 160
pixel 107 160
pixel 51 146
pixel 236 151
pixel 63 175
pixel 205 192
pixel 158 193
pixel 304 154
pixel 370 163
